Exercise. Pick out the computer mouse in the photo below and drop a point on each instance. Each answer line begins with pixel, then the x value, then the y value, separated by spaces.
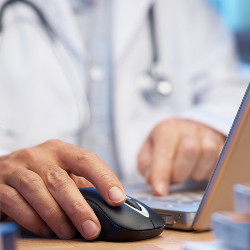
pixel 131 221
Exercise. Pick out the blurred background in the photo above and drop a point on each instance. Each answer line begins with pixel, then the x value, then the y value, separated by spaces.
pixel 236 14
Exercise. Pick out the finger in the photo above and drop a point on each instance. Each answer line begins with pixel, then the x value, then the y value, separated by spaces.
pixel 33 190
pixel 78 161
pixel 144 159
pixel 208 157
pixel 80 181
pixel 187 155
pixel 65 192
pixel 57 158
pixel 13 204
pixel 164 143
pixel 84 163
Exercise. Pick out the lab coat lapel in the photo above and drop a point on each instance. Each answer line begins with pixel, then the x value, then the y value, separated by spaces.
pixel 128 16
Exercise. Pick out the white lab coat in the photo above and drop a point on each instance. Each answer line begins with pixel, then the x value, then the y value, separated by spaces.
pixel 196 54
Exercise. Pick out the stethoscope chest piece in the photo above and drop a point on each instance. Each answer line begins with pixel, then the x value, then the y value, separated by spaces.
pixel 154 87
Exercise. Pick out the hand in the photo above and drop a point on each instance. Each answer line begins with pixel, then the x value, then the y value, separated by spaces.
pixel 178 149
pixel 39 189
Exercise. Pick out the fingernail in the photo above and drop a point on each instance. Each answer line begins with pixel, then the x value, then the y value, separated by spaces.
pixel 90 229
pixel 162 188
pixel 116 195
pixel 67 232
pixel 46 231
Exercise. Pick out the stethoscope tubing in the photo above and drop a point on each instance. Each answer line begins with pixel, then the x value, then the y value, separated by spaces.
pixel 64 61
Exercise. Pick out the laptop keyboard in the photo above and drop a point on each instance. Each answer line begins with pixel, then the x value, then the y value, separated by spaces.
pixel 179 197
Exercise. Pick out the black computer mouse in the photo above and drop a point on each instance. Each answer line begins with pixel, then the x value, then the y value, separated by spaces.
pixel 131 221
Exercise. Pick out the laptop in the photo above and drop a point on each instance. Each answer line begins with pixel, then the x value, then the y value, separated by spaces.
pixel 190 206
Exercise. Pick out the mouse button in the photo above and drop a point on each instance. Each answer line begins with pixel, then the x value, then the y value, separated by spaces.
pixel 156 219
pixel 123 216
pixel 112 232
pixel 126 217
pixel 132 203
pixel 130 218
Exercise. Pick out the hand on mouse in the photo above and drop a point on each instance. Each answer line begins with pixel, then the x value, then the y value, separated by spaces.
pixel 39 189
pixel 177 149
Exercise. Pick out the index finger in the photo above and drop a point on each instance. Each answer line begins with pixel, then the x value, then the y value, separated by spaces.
pixel 165 141
pixel 82 162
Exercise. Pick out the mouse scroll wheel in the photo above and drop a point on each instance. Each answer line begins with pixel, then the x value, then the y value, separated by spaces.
pixel 133 204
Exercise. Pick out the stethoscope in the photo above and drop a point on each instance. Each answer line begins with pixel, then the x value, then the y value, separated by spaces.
pixel 80 134
pixel 154 87
pixel 67 66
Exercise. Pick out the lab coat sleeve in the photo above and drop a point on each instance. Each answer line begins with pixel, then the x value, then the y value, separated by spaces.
pixel 207 71
pixel 217 114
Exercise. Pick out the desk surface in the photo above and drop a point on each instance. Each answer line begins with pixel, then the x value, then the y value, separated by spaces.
pixel 169 239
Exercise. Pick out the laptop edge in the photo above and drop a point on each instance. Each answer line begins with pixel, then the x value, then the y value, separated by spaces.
pixel 233 167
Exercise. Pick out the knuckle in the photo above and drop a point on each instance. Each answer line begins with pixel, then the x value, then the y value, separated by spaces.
pixel 29 181
pixel 85 156
pixel 27 153
pixel 168 124
pixel 78 208
pixel 189 148
pixel 7 198
pixel 210 150
pixel 53 143
pixel 51 212
pixel 6 165
pixel 107 178
pixel 56 178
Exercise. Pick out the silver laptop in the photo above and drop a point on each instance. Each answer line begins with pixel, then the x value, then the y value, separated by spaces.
pixel 190 206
